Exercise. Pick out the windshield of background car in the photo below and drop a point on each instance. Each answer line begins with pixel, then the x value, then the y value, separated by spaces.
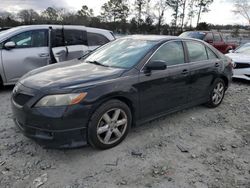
pixel 245 49
pixel 121 53
pixel 196 35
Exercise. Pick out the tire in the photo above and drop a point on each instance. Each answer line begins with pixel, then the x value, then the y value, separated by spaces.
pixel 216 93
pixel 109 124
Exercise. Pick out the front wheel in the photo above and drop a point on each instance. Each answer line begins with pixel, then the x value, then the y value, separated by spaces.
pixel 217 93
pixel 109 125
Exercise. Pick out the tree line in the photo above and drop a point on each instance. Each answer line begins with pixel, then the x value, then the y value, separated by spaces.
pixel 122 16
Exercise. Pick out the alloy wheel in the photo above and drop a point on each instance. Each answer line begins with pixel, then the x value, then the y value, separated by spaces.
pixel 218 93
pixel 112 126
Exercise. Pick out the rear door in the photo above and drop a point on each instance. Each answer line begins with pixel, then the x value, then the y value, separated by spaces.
pixel 69 44
pixel 31 52
pixel 203 68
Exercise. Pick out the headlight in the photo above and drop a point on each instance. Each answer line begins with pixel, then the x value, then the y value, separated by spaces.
pixel 61 100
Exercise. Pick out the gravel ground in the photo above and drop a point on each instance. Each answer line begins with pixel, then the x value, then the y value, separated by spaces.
pixel 197 147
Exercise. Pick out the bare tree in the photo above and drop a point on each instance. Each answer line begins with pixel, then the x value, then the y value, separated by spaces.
pixel 161 7
pixel 191 11
pixel 203 7
pixel 242 8
pixel 140 5
pixel 183 13
pixel 175 6
pixel 28 16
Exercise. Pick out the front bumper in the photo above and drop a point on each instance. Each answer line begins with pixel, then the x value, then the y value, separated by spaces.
pixel 55 139
pixel 243 73
pixel 53 127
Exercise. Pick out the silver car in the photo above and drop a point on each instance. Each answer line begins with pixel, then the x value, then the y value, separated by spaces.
pixel 25 48
pixel 241 58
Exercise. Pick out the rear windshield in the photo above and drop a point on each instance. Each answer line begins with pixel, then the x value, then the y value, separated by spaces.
pixel 196 35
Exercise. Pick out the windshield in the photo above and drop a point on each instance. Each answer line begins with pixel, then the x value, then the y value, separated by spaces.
pixel 196 35
pixel 245 49
pixel 121 53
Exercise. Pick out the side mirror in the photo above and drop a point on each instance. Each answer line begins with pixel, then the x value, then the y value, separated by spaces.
pixel 9 45
pixel 156 65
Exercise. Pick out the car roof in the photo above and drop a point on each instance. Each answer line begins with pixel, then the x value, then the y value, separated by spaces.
pixel 198 31
pixel 15 30
pixel 45 26
pixel 157 38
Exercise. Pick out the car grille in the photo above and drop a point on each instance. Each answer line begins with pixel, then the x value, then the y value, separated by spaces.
pixel 242 65
pixel 21 99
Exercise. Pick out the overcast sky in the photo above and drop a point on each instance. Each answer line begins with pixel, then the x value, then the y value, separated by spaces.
pixel 221 10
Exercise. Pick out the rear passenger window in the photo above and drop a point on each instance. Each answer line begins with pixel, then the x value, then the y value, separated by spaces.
pixel 211 54
pixel 172 53
pixel 75 37
pixel 95 39
pixel 217 37
pixel 196 51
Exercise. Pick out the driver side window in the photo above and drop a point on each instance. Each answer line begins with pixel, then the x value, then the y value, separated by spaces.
pixel 172 53
pixel 36 38
pixel 22 40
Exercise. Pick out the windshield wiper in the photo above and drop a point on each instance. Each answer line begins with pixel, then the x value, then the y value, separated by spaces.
pixel 97 63
pixel 84 56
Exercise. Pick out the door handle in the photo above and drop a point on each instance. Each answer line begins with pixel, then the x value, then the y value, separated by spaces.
pixel 216 64
pixel 60 53
pixel 185 72
pixel 44 55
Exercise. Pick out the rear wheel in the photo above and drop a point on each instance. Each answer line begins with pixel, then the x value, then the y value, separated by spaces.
pixel 217 93
pixel 109 125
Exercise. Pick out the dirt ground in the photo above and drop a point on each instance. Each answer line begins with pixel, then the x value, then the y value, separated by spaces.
pixel 194 148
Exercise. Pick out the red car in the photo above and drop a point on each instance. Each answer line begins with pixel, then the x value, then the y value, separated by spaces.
pixel 213 38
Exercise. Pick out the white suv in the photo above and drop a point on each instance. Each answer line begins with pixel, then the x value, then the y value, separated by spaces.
pixel 25 48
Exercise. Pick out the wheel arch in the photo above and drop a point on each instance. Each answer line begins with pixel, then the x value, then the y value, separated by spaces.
pixel 225 79
pixel 122 98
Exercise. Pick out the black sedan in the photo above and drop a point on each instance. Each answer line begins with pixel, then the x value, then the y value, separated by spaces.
pixel 96 99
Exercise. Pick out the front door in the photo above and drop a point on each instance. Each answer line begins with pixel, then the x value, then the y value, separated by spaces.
pixel 31 52
pixel 164 90
pixel 219 44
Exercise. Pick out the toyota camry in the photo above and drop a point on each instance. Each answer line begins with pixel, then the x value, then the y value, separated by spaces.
pixel 96 99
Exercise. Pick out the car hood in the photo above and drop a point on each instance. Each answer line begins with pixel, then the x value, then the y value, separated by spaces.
pixel 68 74
pixel 239 57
